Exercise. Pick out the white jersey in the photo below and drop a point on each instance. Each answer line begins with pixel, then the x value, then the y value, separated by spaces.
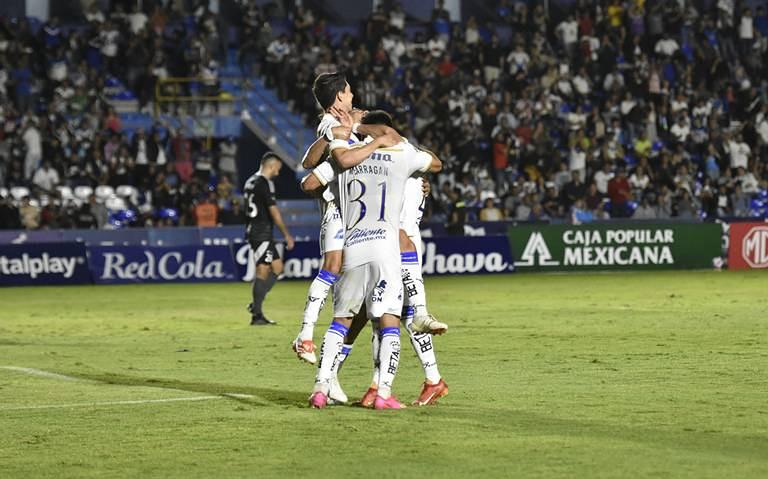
pixel 413 206
pixel 371 198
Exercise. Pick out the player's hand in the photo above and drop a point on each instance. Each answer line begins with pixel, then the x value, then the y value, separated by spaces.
pixel 344 118
pixel 289 243
pixel 426 187
pixel 358 115
pixel 392 138
pixel 342 132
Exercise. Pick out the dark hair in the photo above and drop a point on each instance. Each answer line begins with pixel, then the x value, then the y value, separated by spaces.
pixel 327 86
pixel 377 117
pixel 269 157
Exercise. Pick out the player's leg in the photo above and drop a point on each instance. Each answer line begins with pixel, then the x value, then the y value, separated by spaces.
pixel 434 386
pixel 413 284
pixel 267 261
pixel 331 245
pixel 385 303
pixel 347 302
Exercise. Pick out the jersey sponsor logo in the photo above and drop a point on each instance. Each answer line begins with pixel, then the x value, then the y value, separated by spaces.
pixel 378 291
pixel 754 247
pixel 363 235
pixel 33 265
pixel 167 266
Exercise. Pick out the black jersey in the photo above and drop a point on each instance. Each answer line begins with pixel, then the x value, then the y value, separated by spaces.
pixel 259 196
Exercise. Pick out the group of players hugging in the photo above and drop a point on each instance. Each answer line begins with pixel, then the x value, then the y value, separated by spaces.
pixel 369 182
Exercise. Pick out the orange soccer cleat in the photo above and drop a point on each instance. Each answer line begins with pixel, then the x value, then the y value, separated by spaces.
pixel 370 397
pixel 430 393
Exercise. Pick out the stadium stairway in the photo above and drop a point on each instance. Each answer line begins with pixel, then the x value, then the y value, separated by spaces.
pixel 274 122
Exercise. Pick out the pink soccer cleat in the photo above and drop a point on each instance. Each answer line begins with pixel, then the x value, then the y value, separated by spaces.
pixel 318 400
pixel 389 403
pixel 430 393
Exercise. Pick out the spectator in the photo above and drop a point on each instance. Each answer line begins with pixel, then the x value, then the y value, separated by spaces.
pixel 29 214
pixel 644 210
pixel 490 212
pixel 619 193
pixel 46 177
pixel 206 211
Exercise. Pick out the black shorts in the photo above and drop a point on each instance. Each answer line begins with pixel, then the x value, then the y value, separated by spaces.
pixel 264 252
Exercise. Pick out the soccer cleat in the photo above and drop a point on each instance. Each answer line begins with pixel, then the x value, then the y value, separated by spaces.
pixel 370 397
pixel 389 403
pixel 336 395
pixel 305 350
pixel 427 323
pixel 260 320
pixel 430 393
pixel 318 400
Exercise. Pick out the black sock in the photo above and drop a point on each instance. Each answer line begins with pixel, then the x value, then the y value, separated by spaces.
pixel 259 293
pixel 271 280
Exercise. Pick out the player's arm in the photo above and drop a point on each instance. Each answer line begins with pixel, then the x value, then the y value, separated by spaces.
pixel 263 190
pixel 277 218
pixel 436 165
pixel 347 157
pixel 317 151
pixel 318 178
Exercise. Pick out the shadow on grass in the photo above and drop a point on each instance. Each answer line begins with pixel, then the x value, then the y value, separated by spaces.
pixel 261 395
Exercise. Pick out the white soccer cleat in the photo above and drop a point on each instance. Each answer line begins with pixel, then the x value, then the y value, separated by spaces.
pixel 336 395
pixel 305 350
pixel 428 324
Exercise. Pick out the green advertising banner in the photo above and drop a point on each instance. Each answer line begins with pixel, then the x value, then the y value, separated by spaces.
pixel 614 246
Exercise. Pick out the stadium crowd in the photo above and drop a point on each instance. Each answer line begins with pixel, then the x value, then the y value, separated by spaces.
pixel 64 142
pixel 644 109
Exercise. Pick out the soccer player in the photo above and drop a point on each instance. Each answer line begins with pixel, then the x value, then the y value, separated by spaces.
pixel 261 217
pixel 332 93
pixel 371 197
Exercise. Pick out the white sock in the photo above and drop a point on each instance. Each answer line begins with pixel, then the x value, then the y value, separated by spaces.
pixel 329 355
pixel 413 282
pixel 318 291
pixel 375 348
pixel 389 359
pixel 346 349
pixel 423 347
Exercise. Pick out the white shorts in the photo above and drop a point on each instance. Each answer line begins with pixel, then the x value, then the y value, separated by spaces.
pixel 413 199
pixel 377 285
pixel 331 230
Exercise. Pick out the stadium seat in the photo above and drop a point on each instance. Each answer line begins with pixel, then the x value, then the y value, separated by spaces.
pixel 82 193
pixel 19 192
pixel 128 191
pixel 103 192
pixel 4 192
pixel 65 192
pixel 115 203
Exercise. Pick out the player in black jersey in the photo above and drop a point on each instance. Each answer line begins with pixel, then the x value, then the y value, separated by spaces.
pixel 261 217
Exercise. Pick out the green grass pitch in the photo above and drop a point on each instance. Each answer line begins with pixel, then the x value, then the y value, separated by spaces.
pixel 599 375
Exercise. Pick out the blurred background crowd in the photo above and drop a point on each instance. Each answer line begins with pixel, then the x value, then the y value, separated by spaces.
pixel 606 109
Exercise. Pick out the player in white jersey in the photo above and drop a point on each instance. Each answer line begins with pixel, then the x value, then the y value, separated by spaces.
pixel 434 386
pixel 332 93
pixel 371 199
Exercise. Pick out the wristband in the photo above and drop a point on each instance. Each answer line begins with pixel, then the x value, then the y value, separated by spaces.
pixel 324 173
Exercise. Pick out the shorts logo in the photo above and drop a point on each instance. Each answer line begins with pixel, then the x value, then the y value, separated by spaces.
pixel 378 291
pixel 339 234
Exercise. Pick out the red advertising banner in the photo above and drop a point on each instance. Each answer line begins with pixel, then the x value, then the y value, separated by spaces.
pixel 748 246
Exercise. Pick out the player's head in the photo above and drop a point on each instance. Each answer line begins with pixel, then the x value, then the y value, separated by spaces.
pixel 270 165
pixel 377 117
pixel 332 89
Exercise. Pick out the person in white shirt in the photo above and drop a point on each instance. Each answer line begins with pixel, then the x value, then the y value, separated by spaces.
pixel 739 151
pixel 517 60
pixel 746 31
pixel 568 32
pixel 639 180
pixel 680 130
pixel 34 143
pixel 137 19
pixel 602 177
pixel 667 46
pixel 436 46
pixel 46 177
pixel 748 181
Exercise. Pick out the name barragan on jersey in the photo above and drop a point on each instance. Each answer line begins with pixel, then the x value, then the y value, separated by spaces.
pixel 363 169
